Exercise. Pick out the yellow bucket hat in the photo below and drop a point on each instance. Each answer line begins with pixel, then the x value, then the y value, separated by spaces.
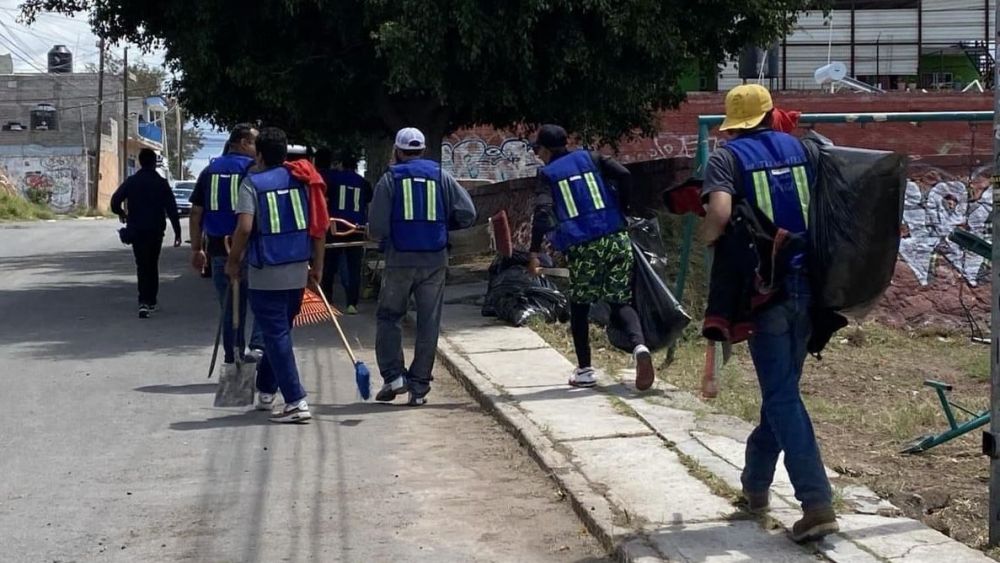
pixel 746 107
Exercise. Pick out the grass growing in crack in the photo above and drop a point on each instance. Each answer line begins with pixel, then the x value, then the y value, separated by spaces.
pixel 714 483
pixel 621 407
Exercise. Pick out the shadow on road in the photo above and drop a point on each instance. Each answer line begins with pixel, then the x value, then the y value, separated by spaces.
pixel 249 418
pixel 192 389
pixel 376 408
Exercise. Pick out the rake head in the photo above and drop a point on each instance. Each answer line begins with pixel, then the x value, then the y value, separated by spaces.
pixel 313 311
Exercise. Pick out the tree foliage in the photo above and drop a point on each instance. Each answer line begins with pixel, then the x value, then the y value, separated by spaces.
pixel 323 68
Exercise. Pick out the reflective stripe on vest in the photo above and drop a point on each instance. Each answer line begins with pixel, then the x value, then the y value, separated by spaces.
pixel 342 198
pixel 762 192
pixel 234 191
pixel 567 193
pixel 274 213
pixel 430 187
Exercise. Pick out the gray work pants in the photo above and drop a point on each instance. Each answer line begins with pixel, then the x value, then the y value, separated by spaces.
pixel 427 287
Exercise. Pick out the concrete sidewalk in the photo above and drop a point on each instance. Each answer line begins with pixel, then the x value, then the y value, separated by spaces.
pixel 654 475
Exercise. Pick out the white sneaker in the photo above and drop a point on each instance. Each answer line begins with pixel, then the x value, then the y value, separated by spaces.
pixel 294 413
pixel 583 377
pixel 265 401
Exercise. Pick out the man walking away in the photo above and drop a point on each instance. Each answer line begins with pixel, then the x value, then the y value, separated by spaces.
pixel 145 200
pixel 591 231
pixel 213 214
pixel 415 204
pixel 773 172
pixel 281 224
pixel 347 197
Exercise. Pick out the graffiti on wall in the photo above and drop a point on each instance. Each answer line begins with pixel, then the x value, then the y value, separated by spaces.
pixel 492 160
pixel 666 145
pixel 61 181
pixel 936 204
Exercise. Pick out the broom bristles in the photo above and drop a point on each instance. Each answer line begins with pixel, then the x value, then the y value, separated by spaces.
pixel 313 311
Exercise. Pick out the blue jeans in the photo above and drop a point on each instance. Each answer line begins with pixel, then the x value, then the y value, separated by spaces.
pixel 778 348
pixel 427 287
pixel 275 311
pixel 221 282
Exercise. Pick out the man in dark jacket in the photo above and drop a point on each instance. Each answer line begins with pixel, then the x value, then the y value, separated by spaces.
pixel 590 229
pixel 773 172
pixel 148 201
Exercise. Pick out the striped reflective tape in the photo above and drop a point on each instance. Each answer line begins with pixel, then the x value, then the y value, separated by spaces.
pixel 762 191
pixel 234 190
pixel 431 200
pixel 802 186
pixel 595 191
pixel 567 196
pixel 297 207
pixel 272 212
pixel 342 204
pixel 407 199
pixel 213 200
pixel 357 199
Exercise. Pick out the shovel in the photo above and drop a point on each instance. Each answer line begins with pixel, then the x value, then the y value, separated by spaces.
pixel 237 389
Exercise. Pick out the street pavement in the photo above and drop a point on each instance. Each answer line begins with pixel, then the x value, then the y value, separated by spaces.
pixel 110 449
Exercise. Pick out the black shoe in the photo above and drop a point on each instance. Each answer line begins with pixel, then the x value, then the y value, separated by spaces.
pixel 416 401
pixel 143 311
pixel 390 390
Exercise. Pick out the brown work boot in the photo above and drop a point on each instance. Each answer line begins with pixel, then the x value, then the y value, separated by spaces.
pixel 815 524
pixel 644 372
pixel 756 503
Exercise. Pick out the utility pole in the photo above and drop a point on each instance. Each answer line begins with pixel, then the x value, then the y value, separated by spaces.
pixel 97 128
pixel 180 142
pixel 125 114
pixel 990 442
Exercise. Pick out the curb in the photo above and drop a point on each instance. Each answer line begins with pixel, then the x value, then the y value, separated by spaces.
pixel 596 512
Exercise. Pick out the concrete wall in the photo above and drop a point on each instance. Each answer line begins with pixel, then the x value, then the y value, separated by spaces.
pixel 64 178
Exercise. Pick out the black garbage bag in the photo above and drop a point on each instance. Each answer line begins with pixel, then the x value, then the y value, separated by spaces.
pixel 516 296
pixel 646 233
pixel 854 225
pixel 662 317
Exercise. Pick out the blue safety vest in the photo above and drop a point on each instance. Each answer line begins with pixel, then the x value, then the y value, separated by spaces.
pixel 345 198
pixel 584 206
pixel 419 217
pixel 776 176
pixel 224 174
pixel 281 229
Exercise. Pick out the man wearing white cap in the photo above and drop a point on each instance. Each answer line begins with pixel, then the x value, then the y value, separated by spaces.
pixel 414 206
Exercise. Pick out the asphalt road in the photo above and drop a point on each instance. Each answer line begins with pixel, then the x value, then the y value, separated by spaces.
pixel 110 449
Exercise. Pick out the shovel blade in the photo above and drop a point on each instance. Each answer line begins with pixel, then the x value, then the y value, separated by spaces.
pixel 237 389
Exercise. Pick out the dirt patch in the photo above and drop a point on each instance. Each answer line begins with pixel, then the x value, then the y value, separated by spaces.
pixel 867 401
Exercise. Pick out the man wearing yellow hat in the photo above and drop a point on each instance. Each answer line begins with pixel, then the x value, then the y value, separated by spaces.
pixel 773 172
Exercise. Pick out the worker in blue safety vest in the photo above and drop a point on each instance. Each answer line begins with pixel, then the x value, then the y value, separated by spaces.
pixel 774 173
pixel 347 197
pixel 213 218
pixel 414 206
pixel 281 226
pixel 590 229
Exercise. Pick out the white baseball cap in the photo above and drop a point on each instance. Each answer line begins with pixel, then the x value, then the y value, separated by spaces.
pixel 410 139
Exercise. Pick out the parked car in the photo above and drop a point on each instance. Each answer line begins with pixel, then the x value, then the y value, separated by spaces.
pixel 182 193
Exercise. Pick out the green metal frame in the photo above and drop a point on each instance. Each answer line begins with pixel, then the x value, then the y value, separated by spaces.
pixel 956 429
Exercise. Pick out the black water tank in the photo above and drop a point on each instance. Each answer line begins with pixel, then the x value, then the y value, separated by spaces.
pixel 60 60
pixel 44 118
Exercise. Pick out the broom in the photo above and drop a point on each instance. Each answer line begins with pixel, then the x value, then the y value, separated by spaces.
pixel 362 377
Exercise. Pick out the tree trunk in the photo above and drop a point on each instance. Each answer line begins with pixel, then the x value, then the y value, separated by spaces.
pixel 378 157
pixel 426 114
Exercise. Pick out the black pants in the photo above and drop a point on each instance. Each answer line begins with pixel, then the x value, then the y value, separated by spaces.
pixel 146 249
pixel 350 274
pixel 579 321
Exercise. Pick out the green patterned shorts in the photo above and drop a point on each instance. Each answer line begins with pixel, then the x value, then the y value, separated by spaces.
pixel 601 270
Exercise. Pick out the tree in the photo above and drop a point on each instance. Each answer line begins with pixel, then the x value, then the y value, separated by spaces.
pixel 324 68
pixel 152 81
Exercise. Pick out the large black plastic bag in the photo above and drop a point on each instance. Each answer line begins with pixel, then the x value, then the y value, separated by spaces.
pixel 854 225
pixel 646 233
pixel 660 314
pixel 516 296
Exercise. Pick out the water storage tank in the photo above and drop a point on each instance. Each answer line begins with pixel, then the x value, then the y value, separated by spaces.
pixel 44 118
pixel 60 60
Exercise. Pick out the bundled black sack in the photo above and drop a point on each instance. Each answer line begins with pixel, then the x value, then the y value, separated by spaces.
pixel 854 225
pixel 662 318
pixel 516 296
